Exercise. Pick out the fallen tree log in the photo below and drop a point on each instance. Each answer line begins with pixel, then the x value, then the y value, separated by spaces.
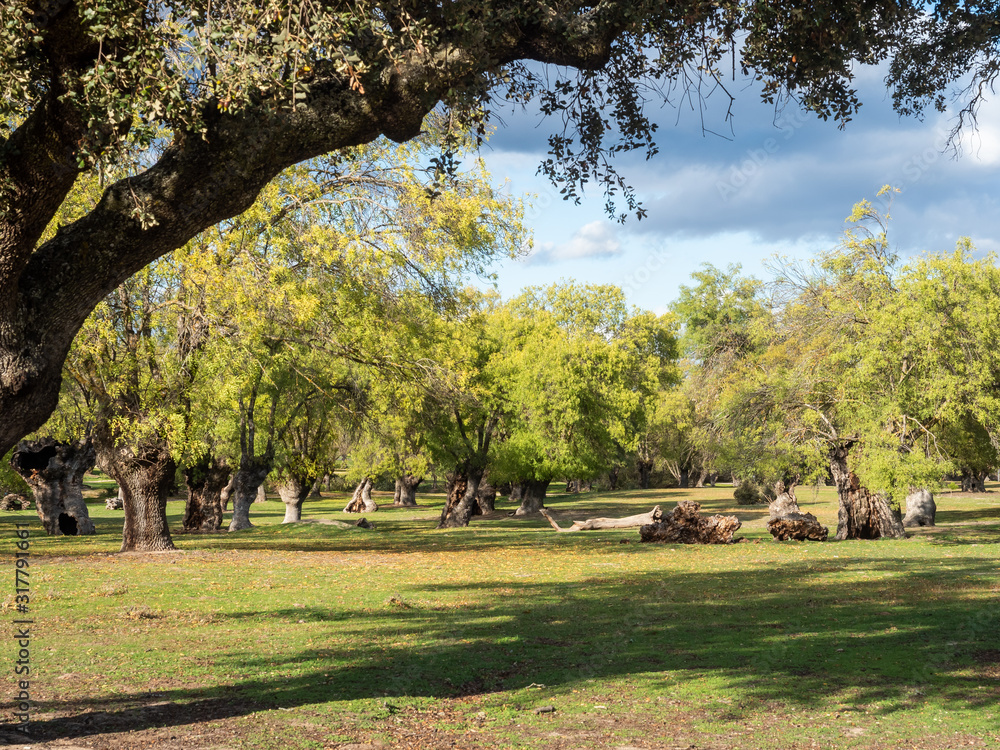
pixel 592 524
pixel 686 525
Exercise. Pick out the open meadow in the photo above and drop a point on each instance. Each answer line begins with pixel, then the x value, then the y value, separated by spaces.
pixel 507 634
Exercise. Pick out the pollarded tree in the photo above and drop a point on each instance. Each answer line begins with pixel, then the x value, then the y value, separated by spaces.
pixel 208 102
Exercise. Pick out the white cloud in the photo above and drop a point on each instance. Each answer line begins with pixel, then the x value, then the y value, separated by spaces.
pixel 598 239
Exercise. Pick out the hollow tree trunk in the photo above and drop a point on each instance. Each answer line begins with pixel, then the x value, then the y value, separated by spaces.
pixel 406 490
pixel 145 473
pixel 293 491
pixel 645 468
pixel 246 482
pixel 55 470
pixel 533 499
pixel 862 514
pixel 361 500
pixel 461 503
pixel 205 482
pixel 973 481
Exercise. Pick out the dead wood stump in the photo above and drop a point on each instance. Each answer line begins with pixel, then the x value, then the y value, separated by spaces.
pixel 798 526
pixel 685 525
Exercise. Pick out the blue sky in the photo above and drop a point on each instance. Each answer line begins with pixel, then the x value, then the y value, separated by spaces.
pixel 777 183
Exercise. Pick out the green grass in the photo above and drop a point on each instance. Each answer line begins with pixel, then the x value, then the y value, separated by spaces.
pixel 308 636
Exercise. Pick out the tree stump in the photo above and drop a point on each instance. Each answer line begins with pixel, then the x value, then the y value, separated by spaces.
pixel 685 525
pixel 798 526
pixel 789 522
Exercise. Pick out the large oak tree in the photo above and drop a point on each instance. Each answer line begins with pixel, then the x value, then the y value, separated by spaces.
pixel 205 102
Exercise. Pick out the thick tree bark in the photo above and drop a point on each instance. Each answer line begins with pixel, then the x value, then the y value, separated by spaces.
pixel 685 479
pixel 55 472
pixel 246 481
pixel 463 491
pixel 406 490
pixel 145 473
pixel 861 514
pixel 533 496
pixel 361 500
pixel 205 481
pixel 293 491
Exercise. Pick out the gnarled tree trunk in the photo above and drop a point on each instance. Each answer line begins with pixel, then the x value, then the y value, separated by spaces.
pixel 460 506
pixel 862 514
pixel 227 492
pixel 246 483
pixel 486 499
pixel 293 491
pixel 532 497
pixel 55 470
pixel 406 490
pixel 973 481
pixel 205 482
pixel 361 500
pixel 144 472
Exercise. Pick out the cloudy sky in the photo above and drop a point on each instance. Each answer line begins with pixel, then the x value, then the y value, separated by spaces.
pixel 771 183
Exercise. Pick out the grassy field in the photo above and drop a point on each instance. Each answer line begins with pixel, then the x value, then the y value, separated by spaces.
pixel 310 636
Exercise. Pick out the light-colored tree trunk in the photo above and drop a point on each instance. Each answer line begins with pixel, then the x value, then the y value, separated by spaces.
pixel 293 491
pixel 361 500
pixel 607 523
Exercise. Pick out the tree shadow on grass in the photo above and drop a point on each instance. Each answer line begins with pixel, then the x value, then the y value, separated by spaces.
pixel 799 634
